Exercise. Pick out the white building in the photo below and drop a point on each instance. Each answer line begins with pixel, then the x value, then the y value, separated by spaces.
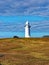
pixel 27 29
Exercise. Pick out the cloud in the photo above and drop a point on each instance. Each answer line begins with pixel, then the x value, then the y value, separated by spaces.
pixel 24 7
pixel 42 26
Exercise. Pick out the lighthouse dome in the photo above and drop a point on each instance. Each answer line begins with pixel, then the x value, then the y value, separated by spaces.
pixel 27 22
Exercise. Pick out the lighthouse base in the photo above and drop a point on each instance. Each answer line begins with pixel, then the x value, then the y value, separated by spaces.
pixel 27 36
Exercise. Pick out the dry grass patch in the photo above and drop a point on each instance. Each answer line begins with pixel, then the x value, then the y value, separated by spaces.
pixel 24 51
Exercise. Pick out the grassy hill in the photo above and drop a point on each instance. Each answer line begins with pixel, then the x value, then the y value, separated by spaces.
pixel 21 51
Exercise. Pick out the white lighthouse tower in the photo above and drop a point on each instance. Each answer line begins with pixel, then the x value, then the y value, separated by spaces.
pixel 27 29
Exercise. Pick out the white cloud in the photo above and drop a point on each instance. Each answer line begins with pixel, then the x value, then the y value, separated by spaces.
pixel 24 7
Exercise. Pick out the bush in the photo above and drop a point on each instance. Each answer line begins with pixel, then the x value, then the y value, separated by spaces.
pixel 15 37
pixel 47 36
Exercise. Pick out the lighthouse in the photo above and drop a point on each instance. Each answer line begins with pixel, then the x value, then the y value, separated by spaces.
pixel 27 30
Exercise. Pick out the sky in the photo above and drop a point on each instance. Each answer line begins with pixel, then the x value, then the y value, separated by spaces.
pixel 14 14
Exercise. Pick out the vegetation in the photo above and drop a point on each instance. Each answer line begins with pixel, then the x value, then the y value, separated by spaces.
pixel 24 51
pixel 15 37
pixel 46 36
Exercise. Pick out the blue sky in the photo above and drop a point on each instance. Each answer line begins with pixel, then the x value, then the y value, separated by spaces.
pixel 24 7
pixel 14 14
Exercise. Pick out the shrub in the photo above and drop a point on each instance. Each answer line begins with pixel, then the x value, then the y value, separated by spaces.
pixel 15 37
